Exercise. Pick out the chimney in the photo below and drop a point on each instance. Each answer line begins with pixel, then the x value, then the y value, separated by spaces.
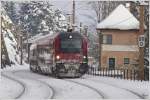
pixel 128 6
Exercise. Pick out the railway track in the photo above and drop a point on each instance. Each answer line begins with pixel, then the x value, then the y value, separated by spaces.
pixel 25 87
pixel 94 89
pixel 95 84
pixel 51 90
pixel 22 84
pixel 98 81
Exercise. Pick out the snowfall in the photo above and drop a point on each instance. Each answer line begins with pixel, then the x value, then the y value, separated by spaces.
pixel 18 82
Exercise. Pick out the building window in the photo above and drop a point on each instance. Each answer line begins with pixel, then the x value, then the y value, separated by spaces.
pixel 107 39
pixel 126 61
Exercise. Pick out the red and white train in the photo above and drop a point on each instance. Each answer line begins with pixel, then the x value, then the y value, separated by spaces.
pixel 63 55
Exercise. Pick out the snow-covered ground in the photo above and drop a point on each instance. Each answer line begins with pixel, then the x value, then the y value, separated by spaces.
pixel 36 86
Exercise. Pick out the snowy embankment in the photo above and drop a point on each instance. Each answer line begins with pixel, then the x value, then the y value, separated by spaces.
pixel 140 88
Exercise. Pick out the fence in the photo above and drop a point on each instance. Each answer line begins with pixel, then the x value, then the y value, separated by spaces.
pixel 131 74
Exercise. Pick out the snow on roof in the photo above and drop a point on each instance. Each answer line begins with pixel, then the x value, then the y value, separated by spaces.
pixel 121 18
pixel 41 39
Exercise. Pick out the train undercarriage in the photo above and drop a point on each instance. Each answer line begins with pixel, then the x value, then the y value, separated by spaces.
pixel 60 70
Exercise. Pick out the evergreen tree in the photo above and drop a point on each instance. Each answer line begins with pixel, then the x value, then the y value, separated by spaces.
pixel 10 8
pixel 39 17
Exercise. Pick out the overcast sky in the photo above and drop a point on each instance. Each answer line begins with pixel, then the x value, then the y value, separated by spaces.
pixel 82 9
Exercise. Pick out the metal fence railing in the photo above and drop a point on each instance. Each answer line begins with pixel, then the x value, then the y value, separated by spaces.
pixel 130 74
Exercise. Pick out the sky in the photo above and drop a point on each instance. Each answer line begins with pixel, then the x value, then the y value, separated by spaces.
pixel 82 9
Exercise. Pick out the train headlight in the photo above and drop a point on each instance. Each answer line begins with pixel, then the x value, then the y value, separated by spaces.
pixel 57 57
pixel 70 36
pixel 84 57
pixel 85 60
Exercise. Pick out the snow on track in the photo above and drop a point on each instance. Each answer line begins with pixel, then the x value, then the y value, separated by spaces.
pixel 63 89
pixel 34 89
pixel 139 88
pixel 109 91
pixel 117 87
pixel 10 88
pixel 98 91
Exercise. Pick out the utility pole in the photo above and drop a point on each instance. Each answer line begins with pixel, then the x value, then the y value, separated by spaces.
pixel 85 30
pixel 73 16
pixel 141 49
pixel 21 47
pixel 80 27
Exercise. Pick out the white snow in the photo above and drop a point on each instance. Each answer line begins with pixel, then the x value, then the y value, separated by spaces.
pixel 11 46
pixel 4 16
pixel 9 89
pixel 39 37
pixel 9 39
pixel 63 89
pixel 139 87
pixel 121 19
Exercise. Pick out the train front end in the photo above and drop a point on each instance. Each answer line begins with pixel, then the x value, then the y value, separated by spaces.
pixel 70 55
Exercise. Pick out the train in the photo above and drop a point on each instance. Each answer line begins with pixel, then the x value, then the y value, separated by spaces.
pixel 63 54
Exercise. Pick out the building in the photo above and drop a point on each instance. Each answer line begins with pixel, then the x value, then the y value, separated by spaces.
pixel 119 48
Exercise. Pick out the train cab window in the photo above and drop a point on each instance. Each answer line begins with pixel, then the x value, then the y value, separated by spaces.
pixel 71 45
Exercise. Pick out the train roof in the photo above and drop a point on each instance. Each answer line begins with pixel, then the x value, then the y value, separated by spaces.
pixel 48 39
pixel 45 39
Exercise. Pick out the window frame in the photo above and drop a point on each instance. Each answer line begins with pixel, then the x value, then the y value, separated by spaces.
pixel 125 61
pixel 107 39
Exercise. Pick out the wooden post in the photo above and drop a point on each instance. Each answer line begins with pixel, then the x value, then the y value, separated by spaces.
pixel 141 49
pixel 21 47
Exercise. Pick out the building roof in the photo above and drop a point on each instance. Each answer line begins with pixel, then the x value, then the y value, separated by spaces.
pixel 121 18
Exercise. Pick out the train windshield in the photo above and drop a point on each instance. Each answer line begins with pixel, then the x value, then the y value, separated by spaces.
pixel 71 45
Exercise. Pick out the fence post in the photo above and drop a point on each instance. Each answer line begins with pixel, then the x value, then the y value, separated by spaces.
pixel 127 74
pixel 117 73
pixel 95 72
pixel 134 74
pixel 103 71
pixel 124 73
pixel 106 71
pixel 114 73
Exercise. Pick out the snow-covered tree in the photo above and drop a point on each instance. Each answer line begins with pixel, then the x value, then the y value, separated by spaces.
pixel 10 9
pixel 10 54
pixel 39 17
